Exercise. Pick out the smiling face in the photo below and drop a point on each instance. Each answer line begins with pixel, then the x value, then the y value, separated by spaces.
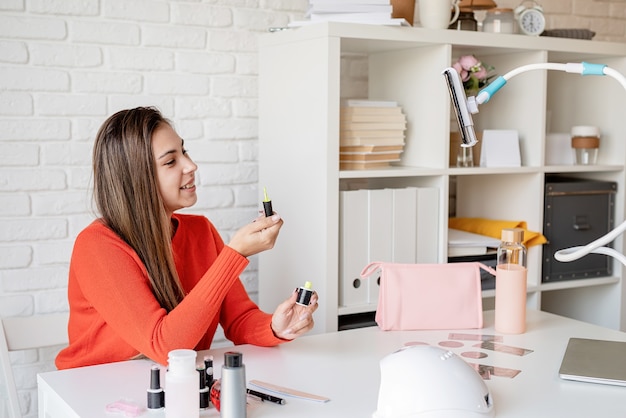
pixel 175 170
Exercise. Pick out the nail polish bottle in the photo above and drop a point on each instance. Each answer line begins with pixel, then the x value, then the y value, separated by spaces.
pixel 208 368
pixel 155 395
pixel 304 294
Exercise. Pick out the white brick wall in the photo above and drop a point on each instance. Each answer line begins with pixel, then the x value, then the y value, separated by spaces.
pixel 66 65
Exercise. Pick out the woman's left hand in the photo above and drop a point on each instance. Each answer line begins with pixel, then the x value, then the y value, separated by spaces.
pixel 291 320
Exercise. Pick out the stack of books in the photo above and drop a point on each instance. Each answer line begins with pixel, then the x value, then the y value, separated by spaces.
pixel 463 243
pixel 371 134
pixel 377 12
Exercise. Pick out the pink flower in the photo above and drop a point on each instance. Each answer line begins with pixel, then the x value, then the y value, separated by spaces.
pixel 481 74
pixel 462 73
pixel 472 72
pixel 468 62
pixel 468 66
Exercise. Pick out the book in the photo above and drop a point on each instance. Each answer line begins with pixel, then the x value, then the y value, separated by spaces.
pixel 362 165
pixel 369 156
pixel 339 7
pixel 372 126
pixel 457 237
pixel 363 115
pixel 346 142
pixel 370 110
pixel 394 21
pixel 371 148
pixel 368 103
pixel 389 134
pixel 349 17
pixel 324 2
pixel 345 118
pixel 463 243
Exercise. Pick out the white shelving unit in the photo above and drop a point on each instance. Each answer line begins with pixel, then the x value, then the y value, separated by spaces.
pixel 299 147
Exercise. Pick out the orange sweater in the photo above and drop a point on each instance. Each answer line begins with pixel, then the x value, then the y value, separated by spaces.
pixel 114 316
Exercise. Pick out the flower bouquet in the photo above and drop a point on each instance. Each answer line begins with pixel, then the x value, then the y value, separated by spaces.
pixel 474 74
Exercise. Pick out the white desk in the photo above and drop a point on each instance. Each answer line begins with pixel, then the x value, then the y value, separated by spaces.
pixel 344 366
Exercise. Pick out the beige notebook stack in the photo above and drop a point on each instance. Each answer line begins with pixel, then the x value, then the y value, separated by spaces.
pixel 371 134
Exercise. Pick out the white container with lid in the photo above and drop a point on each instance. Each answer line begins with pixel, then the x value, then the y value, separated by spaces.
pixel 182 398
pixel 500 21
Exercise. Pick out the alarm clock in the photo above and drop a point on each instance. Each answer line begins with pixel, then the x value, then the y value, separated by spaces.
pixel 531 20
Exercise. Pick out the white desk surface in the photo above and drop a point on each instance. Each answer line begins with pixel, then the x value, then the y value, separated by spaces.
pixel 344 366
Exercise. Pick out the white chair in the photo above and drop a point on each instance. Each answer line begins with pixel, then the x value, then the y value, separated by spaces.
pixel 24 333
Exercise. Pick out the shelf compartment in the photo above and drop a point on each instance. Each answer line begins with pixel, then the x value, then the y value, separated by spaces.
pixel 300 89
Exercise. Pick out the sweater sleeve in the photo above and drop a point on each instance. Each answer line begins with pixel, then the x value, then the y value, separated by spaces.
pixel 244 322
pixel 115 282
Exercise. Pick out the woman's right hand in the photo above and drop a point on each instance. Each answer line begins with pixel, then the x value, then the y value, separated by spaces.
pixel 258 236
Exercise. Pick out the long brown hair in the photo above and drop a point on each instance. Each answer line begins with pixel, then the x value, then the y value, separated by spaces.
pixel 128 198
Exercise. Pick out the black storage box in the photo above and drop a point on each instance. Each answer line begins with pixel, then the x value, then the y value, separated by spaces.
pixel 576 212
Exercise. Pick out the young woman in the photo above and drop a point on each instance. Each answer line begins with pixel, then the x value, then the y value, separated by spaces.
pixel 145 280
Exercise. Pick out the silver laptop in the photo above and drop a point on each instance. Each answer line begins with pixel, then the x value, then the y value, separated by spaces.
pixel 595 361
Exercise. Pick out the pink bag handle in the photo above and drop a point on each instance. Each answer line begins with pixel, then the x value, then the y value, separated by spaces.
pixel 375 265
pixel 370 269
pixel 486 268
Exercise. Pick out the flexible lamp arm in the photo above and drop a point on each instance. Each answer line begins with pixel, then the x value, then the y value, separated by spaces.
pixel 465 107
pixel 583 68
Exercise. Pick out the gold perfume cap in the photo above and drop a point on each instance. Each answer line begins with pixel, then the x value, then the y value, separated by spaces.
pixel 513 235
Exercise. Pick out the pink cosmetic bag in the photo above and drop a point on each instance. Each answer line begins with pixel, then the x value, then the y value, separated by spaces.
pixel 428 296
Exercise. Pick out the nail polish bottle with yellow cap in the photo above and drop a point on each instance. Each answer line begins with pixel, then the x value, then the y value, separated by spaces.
pixel 304 294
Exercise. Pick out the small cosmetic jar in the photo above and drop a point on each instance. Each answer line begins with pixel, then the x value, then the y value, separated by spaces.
pixel 585 144
pixel 499 21
pixel 465 21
